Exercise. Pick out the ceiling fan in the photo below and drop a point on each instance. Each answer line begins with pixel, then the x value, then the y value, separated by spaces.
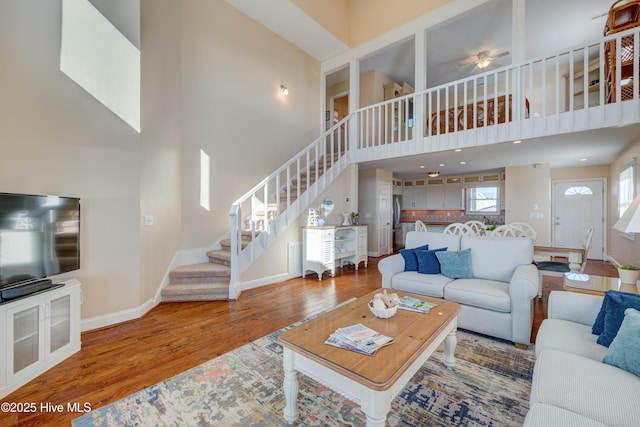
pixel 481 60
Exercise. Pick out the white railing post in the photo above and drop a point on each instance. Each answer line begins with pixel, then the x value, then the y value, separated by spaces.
pixel 236 215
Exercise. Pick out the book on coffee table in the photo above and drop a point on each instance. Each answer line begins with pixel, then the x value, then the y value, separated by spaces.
pixel 415 304
pixel 359 338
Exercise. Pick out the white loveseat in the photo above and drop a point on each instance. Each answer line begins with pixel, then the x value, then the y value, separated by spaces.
pixel 496 301
pixel 571 385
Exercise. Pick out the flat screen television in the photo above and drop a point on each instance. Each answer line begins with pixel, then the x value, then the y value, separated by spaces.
pixel 39 237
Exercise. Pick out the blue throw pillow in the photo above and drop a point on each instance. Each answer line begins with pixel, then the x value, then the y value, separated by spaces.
pixel 624 351
pixel 617 303
pixel 456 265
pixel 410 260
pixel 428 261
pixel 598 324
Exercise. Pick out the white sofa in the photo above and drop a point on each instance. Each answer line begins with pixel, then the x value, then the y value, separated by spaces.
pixel 571 385
pixel 497 301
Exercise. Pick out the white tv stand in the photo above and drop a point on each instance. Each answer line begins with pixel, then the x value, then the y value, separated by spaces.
pixel 38 331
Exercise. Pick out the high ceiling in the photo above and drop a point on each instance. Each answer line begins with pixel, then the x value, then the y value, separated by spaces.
pixel 550 26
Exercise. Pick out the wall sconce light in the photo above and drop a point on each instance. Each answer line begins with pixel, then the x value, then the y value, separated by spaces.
pixel 433 174
pixel 284 90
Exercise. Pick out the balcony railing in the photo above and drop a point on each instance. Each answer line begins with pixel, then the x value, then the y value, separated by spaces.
pixel 570 91
pixel 587 87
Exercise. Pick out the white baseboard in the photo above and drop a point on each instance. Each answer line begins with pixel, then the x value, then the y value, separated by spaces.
pixel 264 281
pixel 118 317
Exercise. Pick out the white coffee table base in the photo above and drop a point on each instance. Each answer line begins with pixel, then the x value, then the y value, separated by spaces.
pixel 374 403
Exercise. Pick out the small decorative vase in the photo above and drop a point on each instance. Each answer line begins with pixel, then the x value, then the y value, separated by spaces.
pixel 629 276
pixel 345 219
pixel 354 221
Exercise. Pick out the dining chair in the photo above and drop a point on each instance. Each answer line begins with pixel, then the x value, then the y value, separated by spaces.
pixel 459 229
pixel 478 227
pixel 559 268
pixel 420 226
pixel 524 229
pixel 505 230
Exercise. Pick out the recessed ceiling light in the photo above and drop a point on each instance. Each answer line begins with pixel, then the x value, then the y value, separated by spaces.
pixel 422 166
pixel 441 164
pixel 517 141
pixel 584 159
pixel 457 150
pixel 463 163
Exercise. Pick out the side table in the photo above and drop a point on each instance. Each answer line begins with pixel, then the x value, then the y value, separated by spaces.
pixel 592 284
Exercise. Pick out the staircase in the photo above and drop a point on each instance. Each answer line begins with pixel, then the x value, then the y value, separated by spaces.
pixel 211 280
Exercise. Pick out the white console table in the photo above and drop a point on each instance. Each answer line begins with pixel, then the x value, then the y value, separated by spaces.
pixel 325 248
pixel 38 331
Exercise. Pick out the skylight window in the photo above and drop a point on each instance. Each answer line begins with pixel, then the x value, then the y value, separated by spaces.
pixel 95 55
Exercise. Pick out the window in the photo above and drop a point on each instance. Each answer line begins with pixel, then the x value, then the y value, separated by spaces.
pixel 482 199
pixel 578 191
pixel 626 188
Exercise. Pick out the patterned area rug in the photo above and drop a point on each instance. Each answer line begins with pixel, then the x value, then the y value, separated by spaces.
pixel 489 386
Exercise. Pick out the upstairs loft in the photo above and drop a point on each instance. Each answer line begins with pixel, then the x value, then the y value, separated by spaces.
pixel 585 88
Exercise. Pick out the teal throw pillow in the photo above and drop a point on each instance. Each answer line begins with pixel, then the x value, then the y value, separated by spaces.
pixel 410 260
pixel 428 261
pixel 617 303
pixel 455 265
pixel 624 351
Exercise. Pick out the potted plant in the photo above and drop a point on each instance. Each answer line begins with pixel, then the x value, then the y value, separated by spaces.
pixel 354 218
pixel 629 273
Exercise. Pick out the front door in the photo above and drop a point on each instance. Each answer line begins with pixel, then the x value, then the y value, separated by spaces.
pixel 577 205
pixel 384 218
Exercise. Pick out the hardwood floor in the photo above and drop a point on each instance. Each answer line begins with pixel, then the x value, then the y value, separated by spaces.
pixel 173 337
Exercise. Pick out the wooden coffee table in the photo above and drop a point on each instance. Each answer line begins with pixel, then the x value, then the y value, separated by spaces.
pixel 371 381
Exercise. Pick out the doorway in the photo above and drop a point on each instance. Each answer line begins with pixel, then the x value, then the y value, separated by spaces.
pixel 384 218
pixel 576 206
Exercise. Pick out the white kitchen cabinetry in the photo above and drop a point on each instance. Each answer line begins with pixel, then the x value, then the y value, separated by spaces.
pixel 325 248
pixel 414 194
pixel 39 331
pixel 435 193
pixel 408 195
pixel 453 194
pixel 444 193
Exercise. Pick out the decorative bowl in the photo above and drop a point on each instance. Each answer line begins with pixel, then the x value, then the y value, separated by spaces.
pixel 383 313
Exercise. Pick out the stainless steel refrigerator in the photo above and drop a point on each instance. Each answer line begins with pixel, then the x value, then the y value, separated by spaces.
pixel 398 235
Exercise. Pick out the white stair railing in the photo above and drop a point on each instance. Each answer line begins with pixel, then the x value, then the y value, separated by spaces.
pixel 260 215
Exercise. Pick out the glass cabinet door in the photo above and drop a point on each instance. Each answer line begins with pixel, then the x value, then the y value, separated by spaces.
pixel 59 323
pixel 26 338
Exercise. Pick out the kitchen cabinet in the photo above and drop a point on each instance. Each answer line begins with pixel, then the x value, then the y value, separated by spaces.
pixel 453 195
pixel 39 331
pixel 326 248
pixel 444 193
pixel 414 195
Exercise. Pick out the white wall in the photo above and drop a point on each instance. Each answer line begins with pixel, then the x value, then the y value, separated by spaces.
pixel 57 139
pixel 161 140
pixel 234 111
pixel 526 186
